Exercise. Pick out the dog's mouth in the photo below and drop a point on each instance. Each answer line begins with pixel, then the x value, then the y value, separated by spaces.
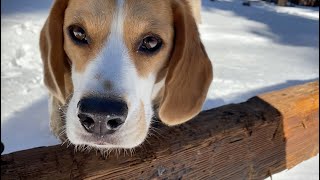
pixel 119 140
pixel 99 141
pixel 132 133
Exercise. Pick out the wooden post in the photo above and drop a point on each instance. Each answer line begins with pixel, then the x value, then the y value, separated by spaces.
pixel 251 140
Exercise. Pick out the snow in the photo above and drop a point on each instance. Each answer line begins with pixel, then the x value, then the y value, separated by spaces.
pixel 254 49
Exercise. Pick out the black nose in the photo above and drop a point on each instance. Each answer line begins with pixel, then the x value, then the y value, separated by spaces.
pixel 102 116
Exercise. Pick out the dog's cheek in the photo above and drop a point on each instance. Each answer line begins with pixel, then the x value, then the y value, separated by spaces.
pixel 71 121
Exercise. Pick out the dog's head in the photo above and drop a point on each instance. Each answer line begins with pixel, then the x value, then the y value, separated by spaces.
pixel 116 60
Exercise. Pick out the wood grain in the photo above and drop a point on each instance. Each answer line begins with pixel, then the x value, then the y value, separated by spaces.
pixel 251 140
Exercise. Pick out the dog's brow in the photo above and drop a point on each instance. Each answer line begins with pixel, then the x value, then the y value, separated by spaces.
pixel 77 18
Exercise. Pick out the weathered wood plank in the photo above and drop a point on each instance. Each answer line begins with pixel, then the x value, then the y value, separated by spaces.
pixel 251 140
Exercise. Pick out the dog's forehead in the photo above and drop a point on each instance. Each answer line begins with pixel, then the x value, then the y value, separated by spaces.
pixel 148 15
pixel 101 11
pixel 93 7
pixel 94 15
pixel 147 9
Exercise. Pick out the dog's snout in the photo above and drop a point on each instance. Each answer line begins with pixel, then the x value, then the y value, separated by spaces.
pixel 102 116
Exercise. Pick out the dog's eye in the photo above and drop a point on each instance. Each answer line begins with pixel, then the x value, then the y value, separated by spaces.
pixel 78 35
pixel 150 44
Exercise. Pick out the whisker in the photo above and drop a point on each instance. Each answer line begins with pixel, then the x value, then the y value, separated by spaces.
pixel 65 141
pixel 69 144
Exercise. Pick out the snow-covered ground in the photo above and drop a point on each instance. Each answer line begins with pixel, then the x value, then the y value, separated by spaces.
pixel 254 49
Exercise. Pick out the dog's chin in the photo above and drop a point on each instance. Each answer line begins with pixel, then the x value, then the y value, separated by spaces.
pixel 108 141
pixel 130 135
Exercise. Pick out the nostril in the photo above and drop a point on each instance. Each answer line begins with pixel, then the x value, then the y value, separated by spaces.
pixel 114 124
pixel 87 122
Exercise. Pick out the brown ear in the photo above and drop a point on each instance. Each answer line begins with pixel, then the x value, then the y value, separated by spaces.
pixel 190 71
pixel 57 75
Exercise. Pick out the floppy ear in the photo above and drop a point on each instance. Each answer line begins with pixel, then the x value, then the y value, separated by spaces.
pixel 57 70
pixel 190 71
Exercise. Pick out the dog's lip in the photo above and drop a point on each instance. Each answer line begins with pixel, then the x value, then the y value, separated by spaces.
pixel 98 140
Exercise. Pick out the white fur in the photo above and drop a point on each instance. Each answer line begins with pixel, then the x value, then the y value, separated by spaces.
pixel 157 87
pixel 113 64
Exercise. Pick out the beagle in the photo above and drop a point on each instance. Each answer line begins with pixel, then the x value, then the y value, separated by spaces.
pixel 111 66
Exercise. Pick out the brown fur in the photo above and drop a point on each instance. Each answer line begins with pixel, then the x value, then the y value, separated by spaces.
pixel 57 75
pixel 190 71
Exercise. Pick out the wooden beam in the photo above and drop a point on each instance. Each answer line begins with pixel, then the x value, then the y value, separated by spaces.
pixel 251 140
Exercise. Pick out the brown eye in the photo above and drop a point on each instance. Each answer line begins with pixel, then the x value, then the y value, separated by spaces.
pixel 78 35
pixel 150 44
